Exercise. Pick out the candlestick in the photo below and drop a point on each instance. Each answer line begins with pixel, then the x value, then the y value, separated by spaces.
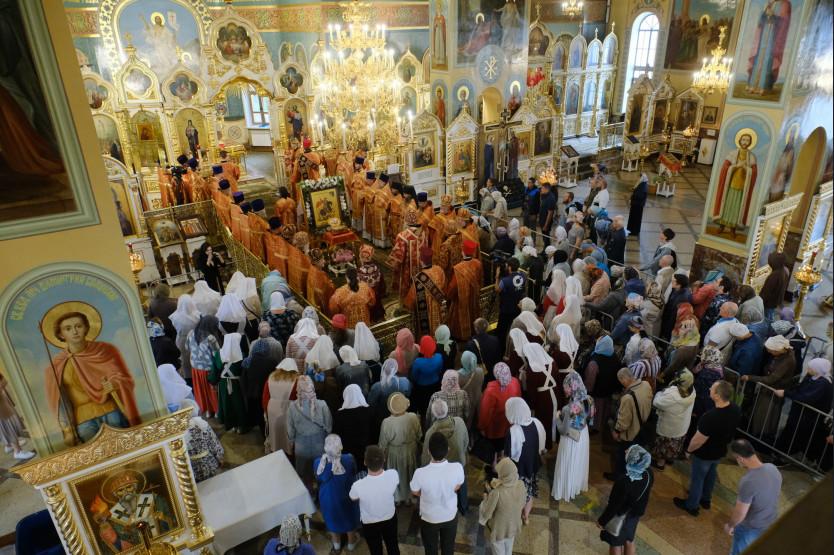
pixel 371 132
pixel 344 136
pixel 411 124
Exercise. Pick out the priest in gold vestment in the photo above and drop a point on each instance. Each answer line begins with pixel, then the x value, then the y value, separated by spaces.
pixel 285 207
pixel 463 292
pixel 427 296
pixel 319 285
pixel 450 250
pixel 231 171
pixel 353 299
pixel 405 255
pixel 437 225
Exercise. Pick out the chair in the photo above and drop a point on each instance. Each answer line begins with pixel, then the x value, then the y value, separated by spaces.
pixel 35 534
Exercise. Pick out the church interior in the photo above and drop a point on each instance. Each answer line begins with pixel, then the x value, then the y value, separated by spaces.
pixel 215 212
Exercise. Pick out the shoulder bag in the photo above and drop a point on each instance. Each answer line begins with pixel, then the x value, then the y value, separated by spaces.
pixel 648 427
pixel 615 525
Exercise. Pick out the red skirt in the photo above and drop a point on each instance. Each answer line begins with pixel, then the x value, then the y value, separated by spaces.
pixel 204 392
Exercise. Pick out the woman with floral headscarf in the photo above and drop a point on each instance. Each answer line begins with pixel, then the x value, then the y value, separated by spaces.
pixel 335 473
pixel 492 421
pixel 646 367
pixel 426 373
pixel 674 414
pixel 163 347
pixel 405 352
pixel 289 541
pixel 652 308
pixel 686 337
pixel 573 459
pixel 524 444
pixel 803 431
pixel 707 372
pixel 456 398
pixel 629 497
pixel 277 394
pixel 308 423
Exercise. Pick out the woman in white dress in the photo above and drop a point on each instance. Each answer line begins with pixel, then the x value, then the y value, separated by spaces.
pixel 572 462
pixel 280 385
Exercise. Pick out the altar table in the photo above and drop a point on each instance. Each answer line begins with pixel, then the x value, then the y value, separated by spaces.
pixel 251 499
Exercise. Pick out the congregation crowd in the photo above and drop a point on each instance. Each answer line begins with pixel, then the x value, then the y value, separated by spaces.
pixel 656 364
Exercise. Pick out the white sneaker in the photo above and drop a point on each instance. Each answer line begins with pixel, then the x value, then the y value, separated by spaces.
pixel 23 455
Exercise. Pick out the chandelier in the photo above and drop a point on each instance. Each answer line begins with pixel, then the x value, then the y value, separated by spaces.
pixel 359 91
pixel 572 8
pixel 715 72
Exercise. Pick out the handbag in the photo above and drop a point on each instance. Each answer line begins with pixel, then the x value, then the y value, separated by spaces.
pixel 648 427
pixel 615 525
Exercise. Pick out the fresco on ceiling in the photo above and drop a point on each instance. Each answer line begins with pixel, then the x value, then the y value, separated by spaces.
pixel 490 22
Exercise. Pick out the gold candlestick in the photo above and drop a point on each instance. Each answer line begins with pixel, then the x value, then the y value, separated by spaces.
pixel 137 264
pixel 807 276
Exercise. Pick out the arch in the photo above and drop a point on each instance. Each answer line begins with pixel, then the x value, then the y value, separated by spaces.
pixel 490 104
pixel 642 55
pixel 806 172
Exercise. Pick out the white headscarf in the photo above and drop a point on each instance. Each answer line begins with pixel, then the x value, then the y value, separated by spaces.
pixel 306 327
pixel 348 354
pixel 231 310
pixel 322 354
pixel 332 454
pixel 578 266
pixel 560 234
pixel 230 351
pixel 288 365
pixel 571 315
pixel 518 414
pixel 567 341
pixel 246 288
pixel 519 339
pixel 276 301
pixel 558 286
pixel 186 316
pixel 537 358
pixel 513 229
pixel 531 323
pixel 206 299
pixel 574 287
pixel 388 373
pixel 364 342
pixel 353 398
pixel 174 388
pixel 821 368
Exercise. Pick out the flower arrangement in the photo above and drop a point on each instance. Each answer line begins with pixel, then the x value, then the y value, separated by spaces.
pixel 342 256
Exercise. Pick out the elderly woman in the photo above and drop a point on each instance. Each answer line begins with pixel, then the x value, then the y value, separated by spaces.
pixel 335 473
pixel 804 430
pixel 674 413
pixel 353 422
pixel 308 423
pixel 500 511
pixel 652 308
pixel 684 341
pixel 707 372
pixel 524 444
pixel 367 349
pixel 579 274
pixel 289 541
pixel 277 392
pixel 570 477
pixel 628 500
pixel 389 383
pixel 204 449
pixel 492 421
pixel 778 373
pixel 405 353
pixel 500 212
pixel 456 398
pixel 560 242
pixel 184 319
pixel 600 283
pixel 620 334
pixel 281 320
pixel 300 342
pixel 399 438
pixel 601 378
pixel 647 366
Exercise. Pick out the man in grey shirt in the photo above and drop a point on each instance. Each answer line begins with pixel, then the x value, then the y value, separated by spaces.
pixel 758 497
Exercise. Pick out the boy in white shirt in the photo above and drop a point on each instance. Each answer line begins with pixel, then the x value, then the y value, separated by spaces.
pixel 436 484
pixel 377 511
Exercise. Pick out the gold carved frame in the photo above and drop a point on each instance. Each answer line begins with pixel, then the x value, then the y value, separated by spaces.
pixel 806 247
pixel 781 211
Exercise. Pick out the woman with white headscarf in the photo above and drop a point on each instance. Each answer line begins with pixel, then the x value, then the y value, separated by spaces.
pixel 560 240
pixel 500 212
pixel 319 362
pixel 540 392
pixel 389 383
pixel 184 319
pixel 570 477
pixel 174 388
pixel 516 340
pixel 206 300
pixel 246 289
pixel 578 273
pixel 308 423
pixel 232 409
pixel 353 423
pixel 281 320
pixel 524 444
pixel 574 285
pixel 528 322
pixel 446 346
pixel 205 452
pixel 804 431
pixel 367 349
pixel 571 316
pixel 514 230
pixel 231 314
pixel 289 541
pixel 554 297
pixel 300 342
pixel 352 370
pixel 335 473
pixel 279 387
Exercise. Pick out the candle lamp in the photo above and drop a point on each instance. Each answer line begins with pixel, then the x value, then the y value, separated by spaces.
pixel 807 276
pixel 137 264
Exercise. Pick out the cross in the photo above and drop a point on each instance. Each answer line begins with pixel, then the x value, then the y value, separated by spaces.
pixel 121 513
pixel 503 166
pixel 145 504
pixel 538 11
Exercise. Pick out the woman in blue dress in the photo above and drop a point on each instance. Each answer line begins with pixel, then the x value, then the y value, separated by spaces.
pixel 335 474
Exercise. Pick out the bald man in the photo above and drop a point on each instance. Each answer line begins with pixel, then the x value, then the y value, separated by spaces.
pixel 664 275
pixel 719 334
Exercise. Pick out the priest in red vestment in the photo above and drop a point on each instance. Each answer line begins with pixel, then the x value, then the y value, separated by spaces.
pixel 463 293
pixel 231 171
pixel 427 296
pixel 405 255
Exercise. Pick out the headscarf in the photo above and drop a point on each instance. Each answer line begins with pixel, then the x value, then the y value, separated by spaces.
pixel 519 340
pixel 580 405
pixel 405 344
pixel 310 312
pixel 513 230
pixel 231 310
pixel 306 393
pixel 388 373
pixel 558 286
pixel 502 374
pixel 273 281
pixel 186 316
pixel 777 343
pixel 288 365
pixel 567 341
pixel 578 266
pixel 518 415
pixel 574 287
pixel 450 382
pixel 531 323
pixel 527 305
pixel 788 314
pixel 428 347
pixel 155 329
pixel 206 299
pixel 560 234
pixel 195 419
pixel 783 328
pixel 712 358
pixel 592 328
pixel 507 473
pixel 348 355
pixel 439 409
pixel 634 301
pixel 637 461
pixel 442 337
pixel 654 295
pixel 604 346
pixel 684 381
pixel 174 388
pixel 276 301
pixel 647 349
pixel 290 533
pixel 332 454
pixel 821 368
pixel 322 354
pixel 468 363
pixel 306 328
pixel 353 398
pixel 230 352
pixel 258 348
pixel 537 358
pixel 500 231
pixel 364 342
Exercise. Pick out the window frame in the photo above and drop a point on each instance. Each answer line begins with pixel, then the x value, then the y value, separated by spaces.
pixel 647 51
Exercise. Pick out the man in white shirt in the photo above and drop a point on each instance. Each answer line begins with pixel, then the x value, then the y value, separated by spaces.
pixel 377 511
pixel 437 484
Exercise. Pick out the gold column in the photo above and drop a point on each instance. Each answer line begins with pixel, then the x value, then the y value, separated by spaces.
pixel 56 501
pixel 200 533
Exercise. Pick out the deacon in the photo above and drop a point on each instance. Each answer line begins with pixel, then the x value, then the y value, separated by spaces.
pixel 364 197
pixel 426 295
pixel 426 209
pixel 405 255
pixel 223 202
pixel 463 293
pixel 298 264
pixel 273 245
pixel 245 236
pixel 381 202
pixel 166 188
pixel 469 230
pixel 354 192
pixel 236 213
pixel 258 228
pixel 199 188
pixel 231 171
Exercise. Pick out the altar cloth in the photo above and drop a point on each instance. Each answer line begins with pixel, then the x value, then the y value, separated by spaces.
pixel 253 498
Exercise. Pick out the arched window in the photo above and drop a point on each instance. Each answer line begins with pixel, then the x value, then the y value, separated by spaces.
pixel 641 50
